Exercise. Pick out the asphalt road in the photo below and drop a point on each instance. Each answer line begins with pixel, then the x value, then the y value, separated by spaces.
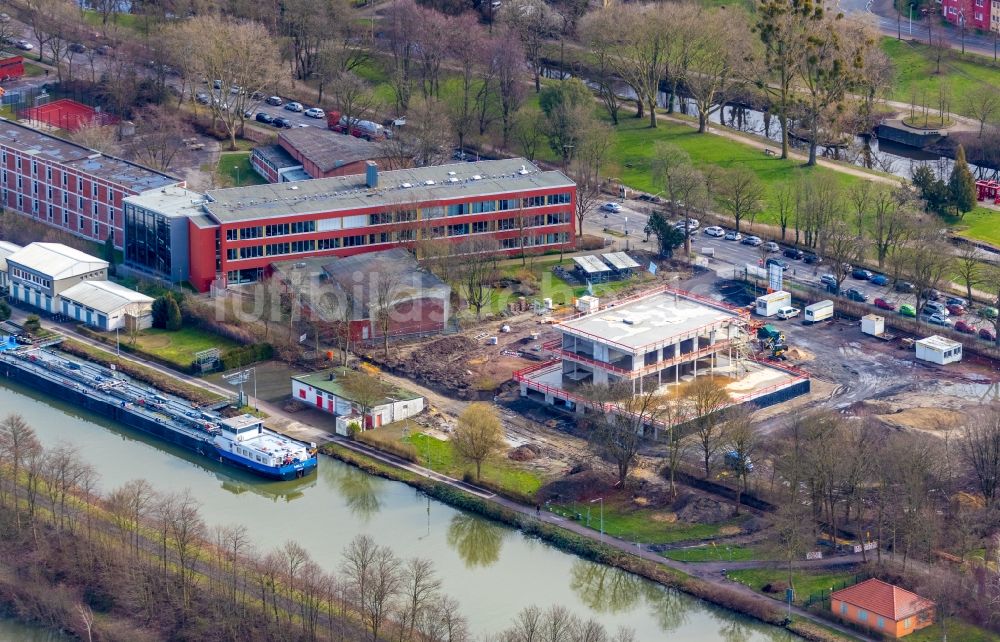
pixel 735 255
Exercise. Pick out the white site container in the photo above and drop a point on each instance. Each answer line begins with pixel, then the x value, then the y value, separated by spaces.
pixel 873 324
pixel 769 304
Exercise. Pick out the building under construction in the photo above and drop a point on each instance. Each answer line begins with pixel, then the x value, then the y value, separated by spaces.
pixel 658 340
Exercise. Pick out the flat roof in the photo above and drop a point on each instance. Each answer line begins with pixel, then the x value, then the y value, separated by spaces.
pixel 56 260
pixel 591 264
pixel 277 156
pixel 240 422
pixel 399 187
pixel 104 296
pixel 327 149
pixel 133 176
pixel 171 201
pixel 321 381
pixel 620 260
pixel 937 342
pixel 648 319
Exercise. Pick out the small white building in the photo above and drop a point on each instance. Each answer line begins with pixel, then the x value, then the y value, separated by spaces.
pixel 873 324
pixel 325 391
pixel 6 249
pixel 107 306
pixel 939 350
pixel 41 272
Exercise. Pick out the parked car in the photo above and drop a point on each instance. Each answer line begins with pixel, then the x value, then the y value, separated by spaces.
pixel 879 279
pixel 965 327
pixel 614 208
pixel 783 264
pixel 203 98
pixel 986 333
pixel 931 294
pixel 733 235
pixel 811 258
pixel 988 311
pixel 103 50
pixel 752 241
pixel 862 274
pixel 293 106
pixel 828 280
pixel 76 47
pixel 794 253
pixel 315 112
pixel 940 319
pixel 788 312
pixel 956 309
pixel 282 123
pixel 715 230
pixel 693 224
pixel 884 304
pixel 24 45
pixel 956 300
pixel 771 246
pixel 265 118
pixel 933 307
pixel 855 294
pixel 274 101
pixel 908 310
pixel 904 286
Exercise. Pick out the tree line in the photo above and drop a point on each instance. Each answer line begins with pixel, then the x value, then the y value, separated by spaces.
pixel 135 563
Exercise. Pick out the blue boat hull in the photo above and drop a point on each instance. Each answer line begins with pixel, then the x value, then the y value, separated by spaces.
pixel 118 413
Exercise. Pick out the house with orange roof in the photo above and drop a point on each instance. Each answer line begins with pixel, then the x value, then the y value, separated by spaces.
pixel 883 607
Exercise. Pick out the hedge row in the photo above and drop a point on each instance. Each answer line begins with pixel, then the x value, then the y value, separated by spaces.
pixel 245 355
pixel 760 608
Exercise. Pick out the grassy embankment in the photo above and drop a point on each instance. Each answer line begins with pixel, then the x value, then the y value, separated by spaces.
pixel 172 348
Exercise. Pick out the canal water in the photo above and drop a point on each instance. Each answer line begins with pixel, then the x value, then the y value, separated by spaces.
pixel 493 571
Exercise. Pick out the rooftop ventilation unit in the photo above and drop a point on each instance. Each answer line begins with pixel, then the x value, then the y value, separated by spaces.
pixel 523 170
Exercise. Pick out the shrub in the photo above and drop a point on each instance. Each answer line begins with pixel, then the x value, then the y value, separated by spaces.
pixel 245 355
pixel 32 324
pixel 4 310
pixel 166 313
pixel 353 430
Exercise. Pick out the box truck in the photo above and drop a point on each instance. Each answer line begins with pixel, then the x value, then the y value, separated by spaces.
pixel 820 311
pixel 769 304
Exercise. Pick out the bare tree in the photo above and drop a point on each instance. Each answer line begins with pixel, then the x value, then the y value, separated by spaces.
pixel 623 417
pixel 841 248
pixel 784 201
pixel 101 138
pixel 353 97
pixel 981 451
pixel 533 22
pixel 684 185
pixel 741 194
pixel 741 444
pixel 421 588
pixel 18 443
pixel 982 103
pixel 928 263
pixel 527 133
pixel 969 267
pixel 704 398
pixel 478 435
pixel 386 290
pixel 478 271
pixel 158 138
pixel 240 56
pixel 364 390
pixel 719 52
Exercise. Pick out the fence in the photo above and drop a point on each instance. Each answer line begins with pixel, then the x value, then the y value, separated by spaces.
pixel 822 597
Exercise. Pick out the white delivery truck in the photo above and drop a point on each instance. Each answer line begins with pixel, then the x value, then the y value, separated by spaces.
pixel 769 304
pixel 819 311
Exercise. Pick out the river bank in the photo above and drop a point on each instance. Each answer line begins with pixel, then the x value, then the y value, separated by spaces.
pixel 609 552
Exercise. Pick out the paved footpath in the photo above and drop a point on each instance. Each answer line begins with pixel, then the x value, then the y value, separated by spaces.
pixel 707 571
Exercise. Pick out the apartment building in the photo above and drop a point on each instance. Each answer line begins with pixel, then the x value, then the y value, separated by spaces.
pixel 69 186
pixel 972 14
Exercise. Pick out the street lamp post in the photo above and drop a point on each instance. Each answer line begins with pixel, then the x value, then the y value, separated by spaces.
pixel 600 499
pixel 911 19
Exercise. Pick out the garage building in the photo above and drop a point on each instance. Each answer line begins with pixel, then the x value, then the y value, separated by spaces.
pixel 107 306
pixel 325 391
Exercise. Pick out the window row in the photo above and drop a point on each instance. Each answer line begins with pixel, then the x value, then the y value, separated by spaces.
pixel 82 185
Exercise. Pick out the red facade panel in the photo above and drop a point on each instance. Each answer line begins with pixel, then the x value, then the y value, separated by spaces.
pixel 201 256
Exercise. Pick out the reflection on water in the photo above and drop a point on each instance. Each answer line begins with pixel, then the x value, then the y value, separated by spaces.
pixel 734 631
pixel 286 491
pixel 476 540
pixel 359 490
pixel 603 588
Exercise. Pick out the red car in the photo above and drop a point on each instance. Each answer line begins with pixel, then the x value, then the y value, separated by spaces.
pixel 966 328
pixel 987 334
pixel 885 305
pixel 956 310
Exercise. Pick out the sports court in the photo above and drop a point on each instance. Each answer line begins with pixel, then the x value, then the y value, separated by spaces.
pixel 67 114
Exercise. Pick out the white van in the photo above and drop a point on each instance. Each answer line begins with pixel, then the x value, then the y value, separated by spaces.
pixel 788 312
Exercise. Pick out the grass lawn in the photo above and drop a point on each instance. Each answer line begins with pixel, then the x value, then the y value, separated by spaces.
pixel 916 77
pixel 439 455
pixel 806 583
pixel 643 525
pixel 126 20
pixel 957 630
pixel 32 70
pixel 179 347
pixel 715 553
pixel 235 170
pixel 632 152
pixel 982 224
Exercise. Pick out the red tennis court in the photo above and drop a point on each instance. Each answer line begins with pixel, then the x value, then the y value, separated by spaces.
pixel 68 114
